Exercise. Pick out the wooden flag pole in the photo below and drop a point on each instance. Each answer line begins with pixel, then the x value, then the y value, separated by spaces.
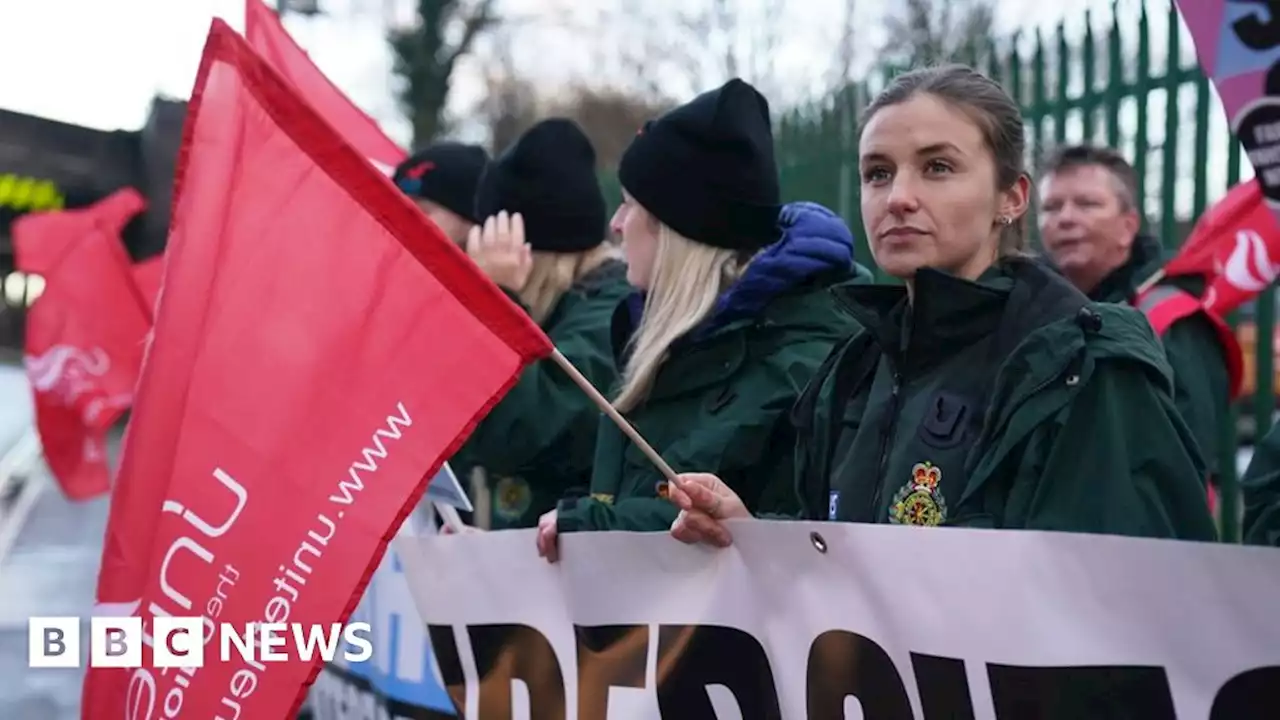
pixel 1146 285
pixel 605 406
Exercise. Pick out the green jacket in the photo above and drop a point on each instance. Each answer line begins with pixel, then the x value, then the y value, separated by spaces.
pixel 1201 383
pixel 1260 489
pixel 719 403
pixel 538 442
pixel 1012 402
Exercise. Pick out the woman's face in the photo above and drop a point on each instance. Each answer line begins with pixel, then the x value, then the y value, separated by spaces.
pixel 929 196
pixel 639 231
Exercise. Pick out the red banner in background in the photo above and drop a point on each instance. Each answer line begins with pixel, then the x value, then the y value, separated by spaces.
pixel 1235 246
pixel 319 350
pixel 267 36
pixel 84 336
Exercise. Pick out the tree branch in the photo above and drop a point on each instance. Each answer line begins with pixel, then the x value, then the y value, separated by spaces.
pixel 480 20
pixel 930 31
pixel 846 49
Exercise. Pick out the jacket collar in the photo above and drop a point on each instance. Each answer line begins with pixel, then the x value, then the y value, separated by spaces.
pixel 948 313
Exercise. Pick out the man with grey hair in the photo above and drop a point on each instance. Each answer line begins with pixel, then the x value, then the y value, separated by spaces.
pixel 1091 227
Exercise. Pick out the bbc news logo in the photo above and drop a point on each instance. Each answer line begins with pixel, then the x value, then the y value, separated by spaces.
pixel 179 642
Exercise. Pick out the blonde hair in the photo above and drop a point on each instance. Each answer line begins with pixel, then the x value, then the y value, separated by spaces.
pixel 687 279
pixel 554 273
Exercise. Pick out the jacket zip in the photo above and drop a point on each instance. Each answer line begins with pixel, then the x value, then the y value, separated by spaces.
pixel 886 442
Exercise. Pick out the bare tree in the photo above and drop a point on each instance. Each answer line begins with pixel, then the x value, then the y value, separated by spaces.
pixel 725 20
pixel 723 39
pixel 511 108
pixel 846 103
pixel 511 104
pixel 846 49
pixel 425 57
pixel 704 42
pixel 655 46
pixel 925 32
pixel 763 48
pixel 609 117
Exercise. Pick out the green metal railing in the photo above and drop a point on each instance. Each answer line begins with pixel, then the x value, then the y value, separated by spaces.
pixel 1069 91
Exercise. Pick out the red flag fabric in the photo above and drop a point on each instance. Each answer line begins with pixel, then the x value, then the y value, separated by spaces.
pixel 147 276
pixel 84 336
pixel 1235 245
pixel 267 36
pixel 319 350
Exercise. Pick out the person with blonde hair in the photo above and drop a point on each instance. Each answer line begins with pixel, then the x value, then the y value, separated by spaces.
pixel 984 391
pixel 542 242
pixel 731 316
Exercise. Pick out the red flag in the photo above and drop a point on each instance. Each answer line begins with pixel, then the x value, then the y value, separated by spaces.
pixel 267 36
pixel 84 334
pixel 1235 246
pixel 146 277
pixel 319 350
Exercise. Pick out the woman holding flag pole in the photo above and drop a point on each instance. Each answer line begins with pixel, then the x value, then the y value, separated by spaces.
pixel 987 391
pixel 731 316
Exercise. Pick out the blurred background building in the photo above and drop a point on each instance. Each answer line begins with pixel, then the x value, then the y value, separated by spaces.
pixel 46 165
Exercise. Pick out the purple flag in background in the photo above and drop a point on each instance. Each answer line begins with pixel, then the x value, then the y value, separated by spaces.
pixel 1238 45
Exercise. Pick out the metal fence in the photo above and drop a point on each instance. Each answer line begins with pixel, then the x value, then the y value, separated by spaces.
pixel 1106 85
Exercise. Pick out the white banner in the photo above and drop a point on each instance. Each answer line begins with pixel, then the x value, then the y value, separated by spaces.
pixel 824 620
pixel 400 681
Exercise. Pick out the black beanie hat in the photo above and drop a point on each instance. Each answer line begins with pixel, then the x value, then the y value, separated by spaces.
pixel 706 169
pixel 548 175
pixel 446 173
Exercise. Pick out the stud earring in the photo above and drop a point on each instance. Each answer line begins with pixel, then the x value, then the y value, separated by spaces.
pixel 1004 220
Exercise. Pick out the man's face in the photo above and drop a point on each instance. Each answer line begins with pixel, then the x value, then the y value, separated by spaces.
pixel 1086 226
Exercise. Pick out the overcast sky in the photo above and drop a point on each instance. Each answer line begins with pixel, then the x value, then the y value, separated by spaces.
pixel 99 62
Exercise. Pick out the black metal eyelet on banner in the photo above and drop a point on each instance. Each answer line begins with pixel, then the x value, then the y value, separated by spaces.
pixel 819 543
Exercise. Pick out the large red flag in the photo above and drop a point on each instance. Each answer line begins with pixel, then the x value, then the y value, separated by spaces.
pixel 84 334
pixel 319 350
pixel 147 276
pixel 267 36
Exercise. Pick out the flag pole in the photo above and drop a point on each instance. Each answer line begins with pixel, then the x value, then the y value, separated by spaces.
pixel 1146 285
pixel 626 427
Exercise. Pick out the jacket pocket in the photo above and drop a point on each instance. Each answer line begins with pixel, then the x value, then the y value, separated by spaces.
pixel 949 420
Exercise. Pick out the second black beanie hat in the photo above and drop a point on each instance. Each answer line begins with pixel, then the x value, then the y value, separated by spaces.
pixel 548 175
pixel 706 169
